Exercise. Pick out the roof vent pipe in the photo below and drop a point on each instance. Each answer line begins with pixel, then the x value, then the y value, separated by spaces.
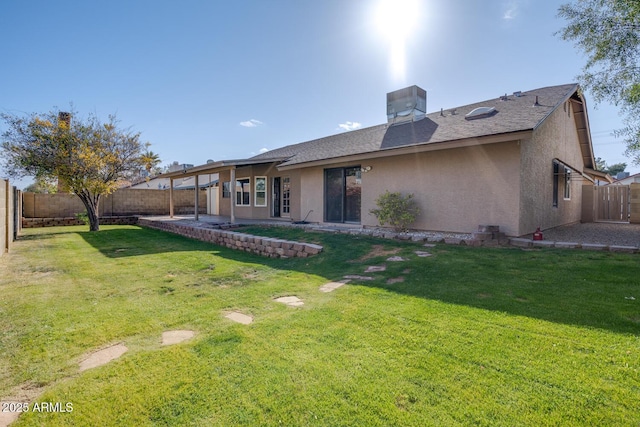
pixel 536 104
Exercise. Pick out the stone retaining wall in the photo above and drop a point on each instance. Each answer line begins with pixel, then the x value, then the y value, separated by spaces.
pixel 265 246
pixel 55 222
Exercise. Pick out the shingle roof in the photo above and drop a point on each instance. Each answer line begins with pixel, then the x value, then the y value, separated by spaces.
pixel 516 113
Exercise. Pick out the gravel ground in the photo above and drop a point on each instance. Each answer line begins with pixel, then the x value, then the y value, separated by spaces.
pixel 596 232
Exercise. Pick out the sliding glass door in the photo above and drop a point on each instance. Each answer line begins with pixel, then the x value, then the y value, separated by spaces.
pixel 342 190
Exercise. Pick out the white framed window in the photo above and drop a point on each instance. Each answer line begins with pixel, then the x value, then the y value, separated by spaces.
pixel 260 198
pixel 243 192
pixel 567 184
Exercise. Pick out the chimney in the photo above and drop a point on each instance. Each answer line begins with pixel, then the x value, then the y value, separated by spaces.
pixel 406 105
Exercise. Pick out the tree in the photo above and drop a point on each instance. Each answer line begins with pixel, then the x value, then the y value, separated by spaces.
pixel 150 160
pixel 42 185
pixel 612 170
pixel 608 32
pixel 88 156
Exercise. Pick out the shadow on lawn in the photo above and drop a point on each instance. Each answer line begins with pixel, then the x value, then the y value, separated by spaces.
pixel 127 241
pixel 596 290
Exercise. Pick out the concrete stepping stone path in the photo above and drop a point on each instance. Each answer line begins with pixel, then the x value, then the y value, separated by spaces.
pixel 239 318
pixel 291 301
pixel 423 254
pixel 375 268
pixel 332 286
pixel 396 259
pixel 103 356
pixel 175 337
pixel 357 277
pixel 395 280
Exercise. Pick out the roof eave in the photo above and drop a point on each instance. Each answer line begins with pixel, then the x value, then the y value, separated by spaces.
pixel 413 149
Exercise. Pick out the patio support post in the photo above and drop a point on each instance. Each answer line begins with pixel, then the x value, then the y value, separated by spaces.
pixel 232 184
pixel 170 197
pixel 197 189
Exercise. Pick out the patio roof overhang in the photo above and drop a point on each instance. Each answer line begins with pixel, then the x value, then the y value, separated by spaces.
pixel 219 166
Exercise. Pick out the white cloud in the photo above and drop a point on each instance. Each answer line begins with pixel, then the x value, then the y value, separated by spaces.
pixel 511 10
pixel 251 123
pixel 263 150
pixel 347 126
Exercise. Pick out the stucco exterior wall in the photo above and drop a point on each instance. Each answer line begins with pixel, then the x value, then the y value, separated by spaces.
pixel 456 189
pixel 260 212
pixel 556 138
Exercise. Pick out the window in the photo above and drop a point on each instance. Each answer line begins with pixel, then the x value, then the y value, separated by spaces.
pixel 226 190
pixel 567 183
pixel 286 195
pixel 243 192
pixel 261 191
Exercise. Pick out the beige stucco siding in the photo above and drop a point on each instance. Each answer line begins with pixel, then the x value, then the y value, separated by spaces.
pixel 556 138
pixel 260 212
pixel 456 189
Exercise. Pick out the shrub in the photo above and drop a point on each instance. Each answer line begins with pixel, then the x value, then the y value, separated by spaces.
pixel 83 216
pixel 397 210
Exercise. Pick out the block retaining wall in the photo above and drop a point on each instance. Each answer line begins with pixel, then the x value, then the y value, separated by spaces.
pixel 265 246
pixel 55 222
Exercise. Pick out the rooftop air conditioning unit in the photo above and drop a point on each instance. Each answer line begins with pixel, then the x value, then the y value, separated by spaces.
pixel 406 104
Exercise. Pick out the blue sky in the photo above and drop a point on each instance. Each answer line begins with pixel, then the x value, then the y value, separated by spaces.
pixel 205 79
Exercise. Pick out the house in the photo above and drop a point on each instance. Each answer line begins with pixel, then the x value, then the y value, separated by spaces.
pixel 518 161
pixel 627 179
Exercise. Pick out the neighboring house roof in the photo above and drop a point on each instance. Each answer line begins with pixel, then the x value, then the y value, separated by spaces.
pixel 628 180
pixel 514 114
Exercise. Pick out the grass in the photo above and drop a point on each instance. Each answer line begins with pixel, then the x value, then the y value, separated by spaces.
pixel 472 336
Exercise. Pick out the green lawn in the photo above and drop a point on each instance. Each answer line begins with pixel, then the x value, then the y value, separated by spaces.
pixel 472 336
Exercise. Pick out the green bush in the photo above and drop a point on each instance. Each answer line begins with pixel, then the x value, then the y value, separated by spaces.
pixel 83 216
pixel 397 210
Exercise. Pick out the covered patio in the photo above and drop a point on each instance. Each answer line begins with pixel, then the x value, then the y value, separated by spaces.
pixel 219 167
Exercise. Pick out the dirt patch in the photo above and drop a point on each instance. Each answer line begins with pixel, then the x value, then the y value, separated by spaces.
pixel 24 393
pixel 103 356
pixel 377 251
pixel 175 337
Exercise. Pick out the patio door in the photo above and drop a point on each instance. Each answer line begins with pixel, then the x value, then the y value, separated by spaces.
pixel 342 190
pixel 281 197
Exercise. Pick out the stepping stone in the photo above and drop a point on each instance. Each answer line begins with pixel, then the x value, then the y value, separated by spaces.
pixel 332 286
pixel 396 258
pixel 395 280
pixel 375 268
pixel 356 277
pixel 429 245
pixel 239 317
pixel 422 254
pixel 103 356
pixel 175 337
pixel 291 301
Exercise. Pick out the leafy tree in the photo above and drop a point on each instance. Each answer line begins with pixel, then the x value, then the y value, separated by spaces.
pixel 42 185
pixel 396 209
pixel 612 170
pixel 88 156
pixel 608 32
